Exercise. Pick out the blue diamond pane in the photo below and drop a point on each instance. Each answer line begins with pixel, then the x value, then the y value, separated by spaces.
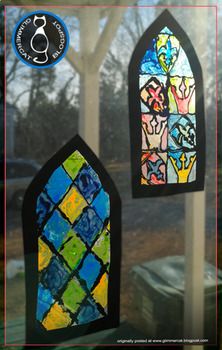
pixel 150 64
pixel 44 207
pixel 166 30
pixel 90 270
pixel 101 204
pixel 55 276
pixel 56 229
pixel 88 312
pixel 58 184
pixel 88 226
pixel 88 182
pixel 45 300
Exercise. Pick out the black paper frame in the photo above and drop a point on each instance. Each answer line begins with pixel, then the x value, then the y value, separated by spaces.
pixel 138 190
pixel 34 333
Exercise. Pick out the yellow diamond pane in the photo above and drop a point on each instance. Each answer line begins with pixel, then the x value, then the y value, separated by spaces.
pixel 73 204
pixel 56 318
pixel 100 293
pixel 44 256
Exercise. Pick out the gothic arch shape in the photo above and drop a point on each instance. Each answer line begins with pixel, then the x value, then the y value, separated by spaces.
pixel 72 246
pixel 166 111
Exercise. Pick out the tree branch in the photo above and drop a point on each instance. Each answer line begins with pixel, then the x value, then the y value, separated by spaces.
pixel 20 95
pixel 74 58
pixel 106 37
pixel 12 70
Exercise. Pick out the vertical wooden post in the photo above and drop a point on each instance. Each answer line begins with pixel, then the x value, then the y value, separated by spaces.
pixel 195 235
pixel 93 48
pixel 89 79
pixel 194 266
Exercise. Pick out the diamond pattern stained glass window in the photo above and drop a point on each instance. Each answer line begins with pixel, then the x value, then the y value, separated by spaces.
pixel 166 112
pixel 78 240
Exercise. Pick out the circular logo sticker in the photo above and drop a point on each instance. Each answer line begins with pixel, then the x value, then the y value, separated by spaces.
pixel 40 39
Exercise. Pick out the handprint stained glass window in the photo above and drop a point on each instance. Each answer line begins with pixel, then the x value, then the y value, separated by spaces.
pixel 72 238
pixel 166 112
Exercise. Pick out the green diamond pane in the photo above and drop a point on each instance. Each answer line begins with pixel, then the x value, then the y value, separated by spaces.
pixel 73 295
pixel 73 250
pixel 73 164
pixel 102 247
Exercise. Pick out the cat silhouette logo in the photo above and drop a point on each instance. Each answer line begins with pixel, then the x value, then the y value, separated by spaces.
pixel 40 39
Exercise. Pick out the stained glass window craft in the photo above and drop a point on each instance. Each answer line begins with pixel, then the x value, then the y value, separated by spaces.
pixel 166 112
pixel 76 234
